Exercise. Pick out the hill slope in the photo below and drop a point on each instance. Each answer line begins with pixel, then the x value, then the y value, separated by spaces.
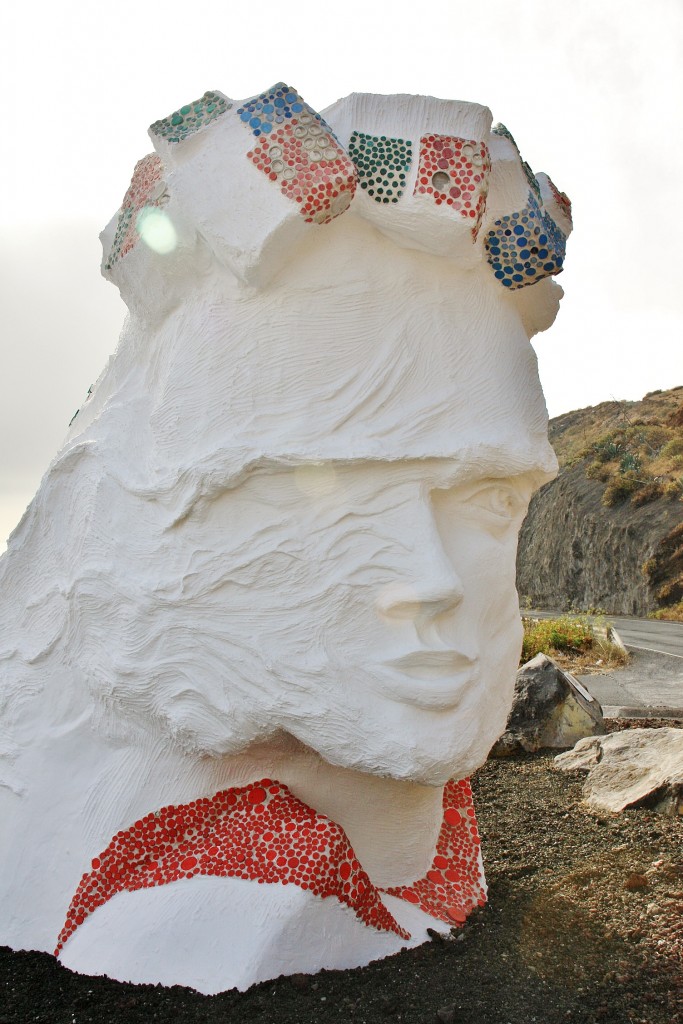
pixel 608 532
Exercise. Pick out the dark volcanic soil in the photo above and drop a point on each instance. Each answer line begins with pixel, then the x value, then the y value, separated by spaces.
pixel 584 924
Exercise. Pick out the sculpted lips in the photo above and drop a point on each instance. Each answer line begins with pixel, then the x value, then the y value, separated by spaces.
pixel 433 680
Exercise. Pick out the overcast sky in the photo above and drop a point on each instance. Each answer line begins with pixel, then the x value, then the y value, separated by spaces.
pixel 590 89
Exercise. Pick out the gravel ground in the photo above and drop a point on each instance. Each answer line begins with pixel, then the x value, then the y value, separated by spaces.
pixel 584 924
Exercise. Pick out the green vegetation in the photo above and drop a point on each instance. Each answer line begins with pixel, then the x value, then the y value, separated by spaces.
pixel 639 460
pixel 621 486
pixel 573 641
pixel 635 450
pixel 552 636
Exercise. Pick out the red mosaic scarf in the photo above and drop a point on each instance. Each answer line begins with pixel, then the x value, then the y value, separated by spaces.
pixel 264 833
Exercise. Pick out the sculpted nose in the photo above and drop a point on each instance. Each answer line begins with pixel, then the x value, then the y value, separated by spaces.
pixel 426 583
pixel 429 588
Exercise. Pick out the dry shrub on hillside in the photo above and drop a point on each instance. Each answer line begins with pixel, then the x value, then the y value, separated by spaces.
pixel 664 569
pixel 634 448
pixel 650 492
pixel 674 613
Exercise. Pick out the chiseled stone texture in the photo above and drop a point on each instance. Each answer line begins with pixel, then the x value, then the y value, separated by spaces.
pixel 573 551
pixel 630 768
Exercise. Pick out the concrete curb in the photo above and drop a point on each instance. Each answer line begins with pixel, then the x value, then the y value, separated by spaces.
pixel 614 637
pixel 615 711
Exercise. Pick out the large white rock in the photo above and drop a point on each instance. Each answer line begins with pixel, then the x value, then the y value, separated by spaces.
pixel 279 538
pixel 630 767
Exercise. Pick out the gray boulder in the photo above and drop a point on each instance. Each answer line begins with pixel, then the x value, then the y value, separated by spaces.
pixel 550 709
pixel 635 767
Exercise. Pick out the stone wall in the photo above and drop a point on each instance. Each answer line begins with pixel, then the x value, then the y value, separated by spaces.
pixel 575 552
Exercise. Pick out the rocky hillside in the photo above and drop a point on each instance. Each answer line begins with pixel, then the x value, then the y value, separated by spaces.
pixel 608 532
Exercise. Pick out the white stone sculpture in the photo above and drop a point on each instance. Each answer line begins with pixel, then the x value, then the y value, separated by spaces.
pixel 262 608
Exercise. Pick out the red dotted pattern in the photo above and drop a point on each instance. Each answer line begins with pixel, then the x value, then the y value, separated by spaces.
pixel 310 166
pixel 454 884
pixel 147 175
pixel 562 200
pixel 259 832
pixel 455 172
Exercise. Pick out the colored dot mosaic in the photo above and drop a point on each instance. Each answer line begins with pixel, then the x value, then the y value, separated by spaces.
pixel 277 106
pixel 562 200
pixel 382 165
pixel 500 129
pixel 525 246
pixel 263 833
pixel 453 886
pixel 147 188
pixel 299 151
pixel 184 122
pixel 259 832
pixel 455 172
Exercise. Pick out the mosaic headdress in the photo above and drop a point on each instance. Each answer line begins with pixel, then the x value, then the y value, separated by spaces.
pixel 431 174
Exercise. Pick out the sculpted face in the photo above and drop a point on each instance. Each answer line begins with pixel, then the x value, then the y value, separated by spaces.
pixel 335 558
pixel 383 597
pixel 338 561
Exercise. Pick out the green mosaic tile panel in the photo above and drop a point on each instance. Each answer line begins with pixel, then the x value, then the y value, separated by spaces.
pixel 184 122
pixel 500 129
pixel 382 164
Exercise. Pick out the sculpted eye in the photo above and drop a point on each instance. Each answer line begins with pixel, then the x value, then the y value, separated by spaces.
pixel 499 500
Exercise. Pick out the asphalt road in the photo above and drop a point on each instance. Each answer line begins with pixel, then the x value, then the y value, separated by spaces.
pixel 650 634
pixel 652 683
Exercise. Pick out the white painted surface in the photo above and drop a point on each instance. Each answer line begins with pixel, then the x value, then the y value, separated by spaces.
pixel 279 540
pixel 217 933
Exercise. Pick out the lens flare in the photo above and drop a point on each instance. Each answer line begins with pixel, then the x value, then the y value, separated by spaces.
pixel 156 230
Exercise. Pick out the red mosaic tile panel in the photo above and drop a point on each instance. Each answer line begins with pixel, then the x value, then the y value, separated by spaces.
pixel 455 172
pixel 146 189
pixel 562 200
pixel 310 166
pixel 453 885
pixel 259 832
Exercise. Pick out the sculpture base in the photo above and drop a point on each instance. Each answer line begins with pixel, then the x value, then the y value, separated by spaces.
pixel 233 890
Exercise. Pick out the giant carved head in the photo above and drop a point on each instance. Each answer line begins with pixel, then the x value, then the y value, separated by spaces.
pixel 291 501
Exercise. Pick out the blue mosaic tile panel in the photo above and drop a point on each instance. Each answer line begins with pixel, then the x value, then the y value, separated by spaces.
pixel 277 106
pixel 525 246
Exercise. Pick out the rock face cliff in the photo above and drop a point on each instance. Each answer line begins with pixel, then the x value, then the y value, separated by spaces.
pixel 605 533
